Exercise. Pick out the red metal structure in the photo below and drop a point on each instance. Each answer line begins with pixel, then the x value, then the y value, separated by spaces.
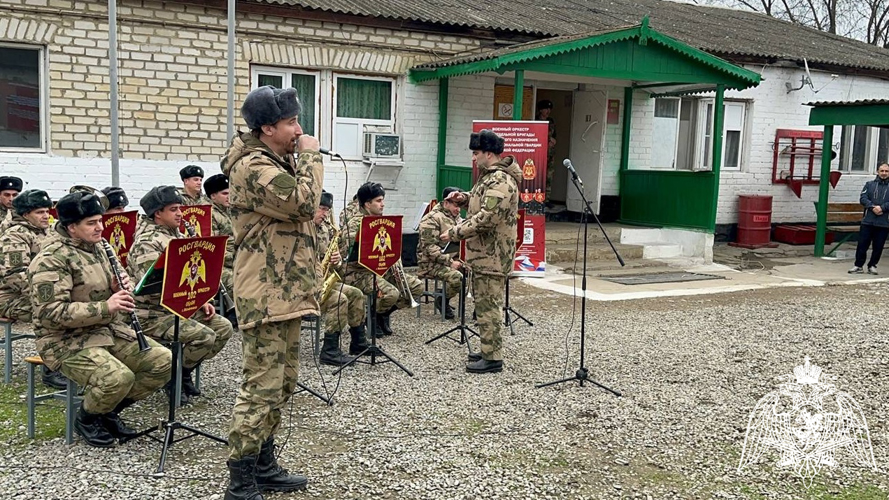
pixel 793 159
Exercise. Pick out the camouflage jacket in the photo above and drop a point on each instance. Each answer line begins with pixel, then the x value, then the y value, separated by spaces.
pixel 222 226
pixel 5 218
pixel 348 233
pixel 351 209
pixel 492 216
pixel 325 234
pixel 273 201
pixel 200 199
pixel 429 256
pixel 150 241
pixel 18 245
pixel 70 282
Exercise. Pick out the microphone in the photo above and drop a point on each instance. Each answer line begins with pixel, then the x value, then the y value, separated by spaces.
pixel 326 151
pixel 570 167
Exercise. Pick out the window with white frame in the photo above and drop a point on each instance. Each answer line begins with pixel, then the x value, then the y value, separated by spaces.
pixel 682 133
pixel 22 127
pixel 863 148
pixel 338 108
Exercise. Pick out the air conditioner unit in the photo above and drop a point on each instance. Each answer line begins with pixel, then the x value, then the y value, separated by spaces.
pixel 380 145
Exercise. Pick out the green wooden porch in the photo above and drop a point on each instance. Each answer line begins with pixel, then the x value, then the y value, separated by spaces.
pixel 641 58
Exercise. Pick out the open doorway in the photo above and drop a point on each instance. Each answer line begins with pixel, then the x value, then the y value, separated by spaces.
pixel 561 115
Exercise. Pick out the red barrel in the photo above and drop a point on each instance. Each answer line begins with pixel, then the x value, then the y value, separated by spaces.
pixel 754 220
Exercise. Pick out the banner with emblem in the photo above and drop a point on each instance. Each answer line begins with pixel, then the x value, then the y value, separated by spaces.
pixel 119 232
pixel 192 270
pixel 379 242
pixel 528 142
pixel 200 217
pixel 53 216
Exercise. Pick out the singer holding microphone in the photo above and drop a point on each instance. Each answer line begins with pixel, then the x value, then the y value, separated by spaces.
pixel 82 327
pixel 490 234
pixel 275 176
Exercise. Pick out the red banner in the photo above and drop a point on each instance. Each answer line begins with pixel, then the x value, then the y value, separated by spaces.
pixel 192 270
pixel 530 258
pixel 53 216
pixel 379 242
pixel 200 217
pixel 119 232
pixel 527 141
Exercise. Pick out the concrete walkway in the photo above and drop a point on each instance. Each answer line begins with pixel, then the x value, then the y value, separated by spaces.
pixel 742 270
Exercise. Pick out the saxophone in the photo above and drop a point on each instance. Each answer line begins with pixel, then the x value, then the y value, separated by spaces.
pixel 331 277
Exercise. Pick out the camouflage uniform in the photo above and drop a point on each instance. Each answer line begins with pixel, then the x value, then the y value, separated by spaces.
pixel 18 245
pixel 201 338
pixel 362 279
pixel 200 199
pixel 273 201
pixel 432 263
pixel 222 226
pixel 70 282
pixel 345 305
pixel 490 234
pixel 5 218
pixel 350 211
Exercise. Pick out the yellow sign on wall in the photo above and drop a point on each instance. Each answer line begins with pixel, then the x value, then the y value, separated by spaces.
pixel 503 95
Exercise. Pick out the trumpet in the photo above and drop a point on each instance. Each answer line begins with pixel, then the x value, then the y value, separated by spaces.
pixel 401 282
pixel 227 303
pixel 331 277
pixel 115 266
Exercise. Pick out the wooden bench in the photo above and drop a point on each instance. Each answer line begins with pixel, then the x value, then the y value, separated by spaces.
pixel 69 395
pixel 8 339
pixel 843 218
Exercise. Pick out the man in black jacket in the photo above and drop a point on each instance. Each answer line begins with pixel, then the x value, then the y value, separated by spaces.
pixel 875 224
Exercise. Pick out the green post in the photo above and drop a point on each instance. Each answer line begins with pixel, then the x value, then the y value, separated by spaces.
pixel 442 131
pixel 518 94
pixel 821 226
pixel 718 120
pixel 625 135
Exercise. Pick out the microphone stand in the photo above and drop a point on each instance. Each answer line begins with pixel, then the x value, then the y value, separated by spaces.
pixel 582 374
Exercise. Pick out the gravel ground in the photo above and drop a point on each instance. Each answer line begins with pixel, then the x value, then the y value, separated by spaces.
pixel 690 370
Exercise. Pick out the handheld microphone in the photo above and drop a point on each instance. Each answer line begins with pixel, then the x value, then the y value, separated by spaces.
pixel 326 151
pixel 570 167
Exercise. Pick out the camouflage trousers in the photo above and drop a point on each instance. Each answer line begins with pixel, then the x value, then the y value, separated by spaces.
pixel 17 308
pixel 453 280
pixel 228 281
pixel 488 293
pixel 201 338
pixel 271 369
pixel 389 294
pixel 110 374
pixel 344 307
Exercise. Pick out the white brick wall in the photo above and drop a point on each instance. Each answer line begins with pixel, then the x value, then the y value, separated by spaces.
pixel 469 98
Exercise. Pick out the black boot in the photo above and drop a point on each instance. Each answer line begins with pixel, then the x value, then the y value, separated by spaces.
pixel 359 340
pixel 379 330
pixel 330 351
pixel 484 366
pixel 115 426
pixel 54 379
pixel 450 313
pixel 89 426
pixel 188 387
pixel 242 479
pixel 383 321
pixel 272 477
pixel 183 397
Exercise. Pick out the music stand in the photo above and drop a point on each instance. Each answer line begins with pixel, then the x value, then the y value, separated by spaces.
pixel 357 255
pixel 507 321
pixel 452 247
pixel 153 282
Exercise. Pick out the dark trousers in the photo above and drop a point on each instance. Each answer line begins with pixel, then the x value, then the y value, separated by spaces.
pixel 866 235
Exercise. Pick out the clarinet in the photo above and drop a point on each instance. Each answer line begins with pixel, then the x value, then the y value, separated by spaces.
pixel 115 266
pixel 227 302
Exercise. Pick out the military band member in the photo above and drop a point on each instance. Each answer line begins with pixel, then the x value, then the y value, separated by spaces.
pixel 216 188
pixel 345 304
pixel 18 245
pixel 490 234
pixel 80 321
pixel 117 200
pixel 431 262
pixel 10 187
pixel 192 179
pixel 275 176
pixel 202 336
pixel 371 201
